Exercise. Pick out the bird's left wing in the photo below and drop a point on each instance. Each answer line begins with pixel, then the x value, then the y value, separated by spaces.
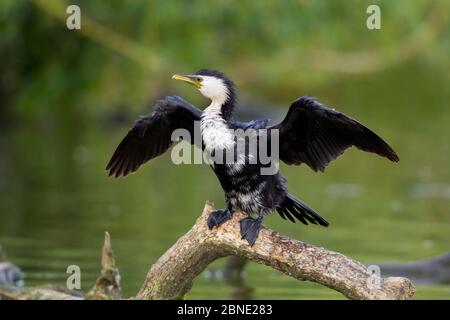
pixel 151 135
pixel 316 135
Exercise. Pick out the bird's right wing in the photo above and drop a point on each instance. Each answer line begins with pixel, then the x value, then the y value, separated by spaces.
pixel 151 135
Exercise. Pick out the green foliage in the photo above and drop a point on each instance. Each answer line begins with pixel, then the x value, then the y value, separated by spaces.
pixel 266 45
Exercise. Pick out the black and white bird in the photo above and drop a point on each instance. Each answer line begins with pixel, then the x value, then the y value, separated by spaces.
pixel 310 133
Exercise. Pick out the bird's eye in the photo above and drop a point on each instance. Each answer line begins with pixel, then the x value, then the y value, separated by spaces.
pixel 199 79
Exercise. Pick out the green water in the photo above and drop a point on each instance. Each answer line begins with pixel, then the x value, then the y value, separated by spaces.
pixel 56 199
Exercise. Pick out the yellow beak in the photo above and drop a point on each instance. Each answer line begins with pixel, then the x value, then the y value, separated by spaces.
pixel 188 79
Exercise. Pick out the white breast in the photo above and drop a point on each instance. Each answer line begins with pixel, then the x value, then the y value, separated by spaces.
pixel 215 132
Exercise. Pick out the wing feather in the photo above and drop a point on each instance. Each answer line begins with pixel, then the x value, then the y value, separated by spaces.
pixel 316 135
pixel 151 135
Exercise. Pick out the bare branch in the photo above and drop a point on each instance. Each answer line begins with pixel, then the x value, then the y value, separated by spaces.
pixel 172 275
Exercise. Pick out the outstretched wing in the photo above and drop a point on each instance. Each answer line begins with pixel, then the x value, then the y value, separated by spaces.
pixel 316 135
pixel 151 135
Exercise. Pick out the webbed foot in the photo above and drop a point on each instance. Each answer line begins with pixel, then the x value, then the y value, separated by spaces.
pixel 250 229
pixel 216 218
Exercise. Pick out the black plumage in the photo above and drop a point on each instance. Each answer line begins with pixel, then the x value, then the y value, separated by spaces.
pixel 310 133
pixel 151 135
pixel 316 135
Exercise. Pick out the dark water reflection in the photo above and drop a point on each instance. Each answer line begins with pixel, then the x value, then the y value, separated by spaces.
pixel 56 199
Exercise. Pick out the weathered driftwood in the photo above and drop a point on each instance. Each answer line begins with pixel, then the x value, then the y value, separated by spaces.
pixel 106 287
pixel 8 292
pixel 172 275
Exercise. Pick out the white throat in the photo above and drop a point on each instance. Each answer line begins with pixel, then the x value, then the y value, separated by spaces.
pixel 214 89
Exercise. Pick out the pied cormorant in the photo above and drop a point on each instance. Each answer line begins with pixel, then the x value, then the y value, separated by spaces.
pixel 310 133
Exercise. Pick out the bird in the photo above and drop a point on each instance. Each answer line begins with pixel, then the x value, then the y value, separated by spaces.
pixel 311 134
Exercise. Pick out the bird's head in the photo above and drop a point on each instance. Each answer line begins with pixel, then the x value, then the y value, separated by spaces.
pixel 213 85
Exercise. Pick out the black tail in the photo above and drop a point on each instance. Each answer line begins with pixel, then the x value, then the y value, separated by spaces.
pixel 291 206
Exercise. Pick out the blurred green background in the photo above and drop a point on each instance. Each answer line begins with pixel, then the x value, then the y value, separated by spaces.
pixel 68 97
